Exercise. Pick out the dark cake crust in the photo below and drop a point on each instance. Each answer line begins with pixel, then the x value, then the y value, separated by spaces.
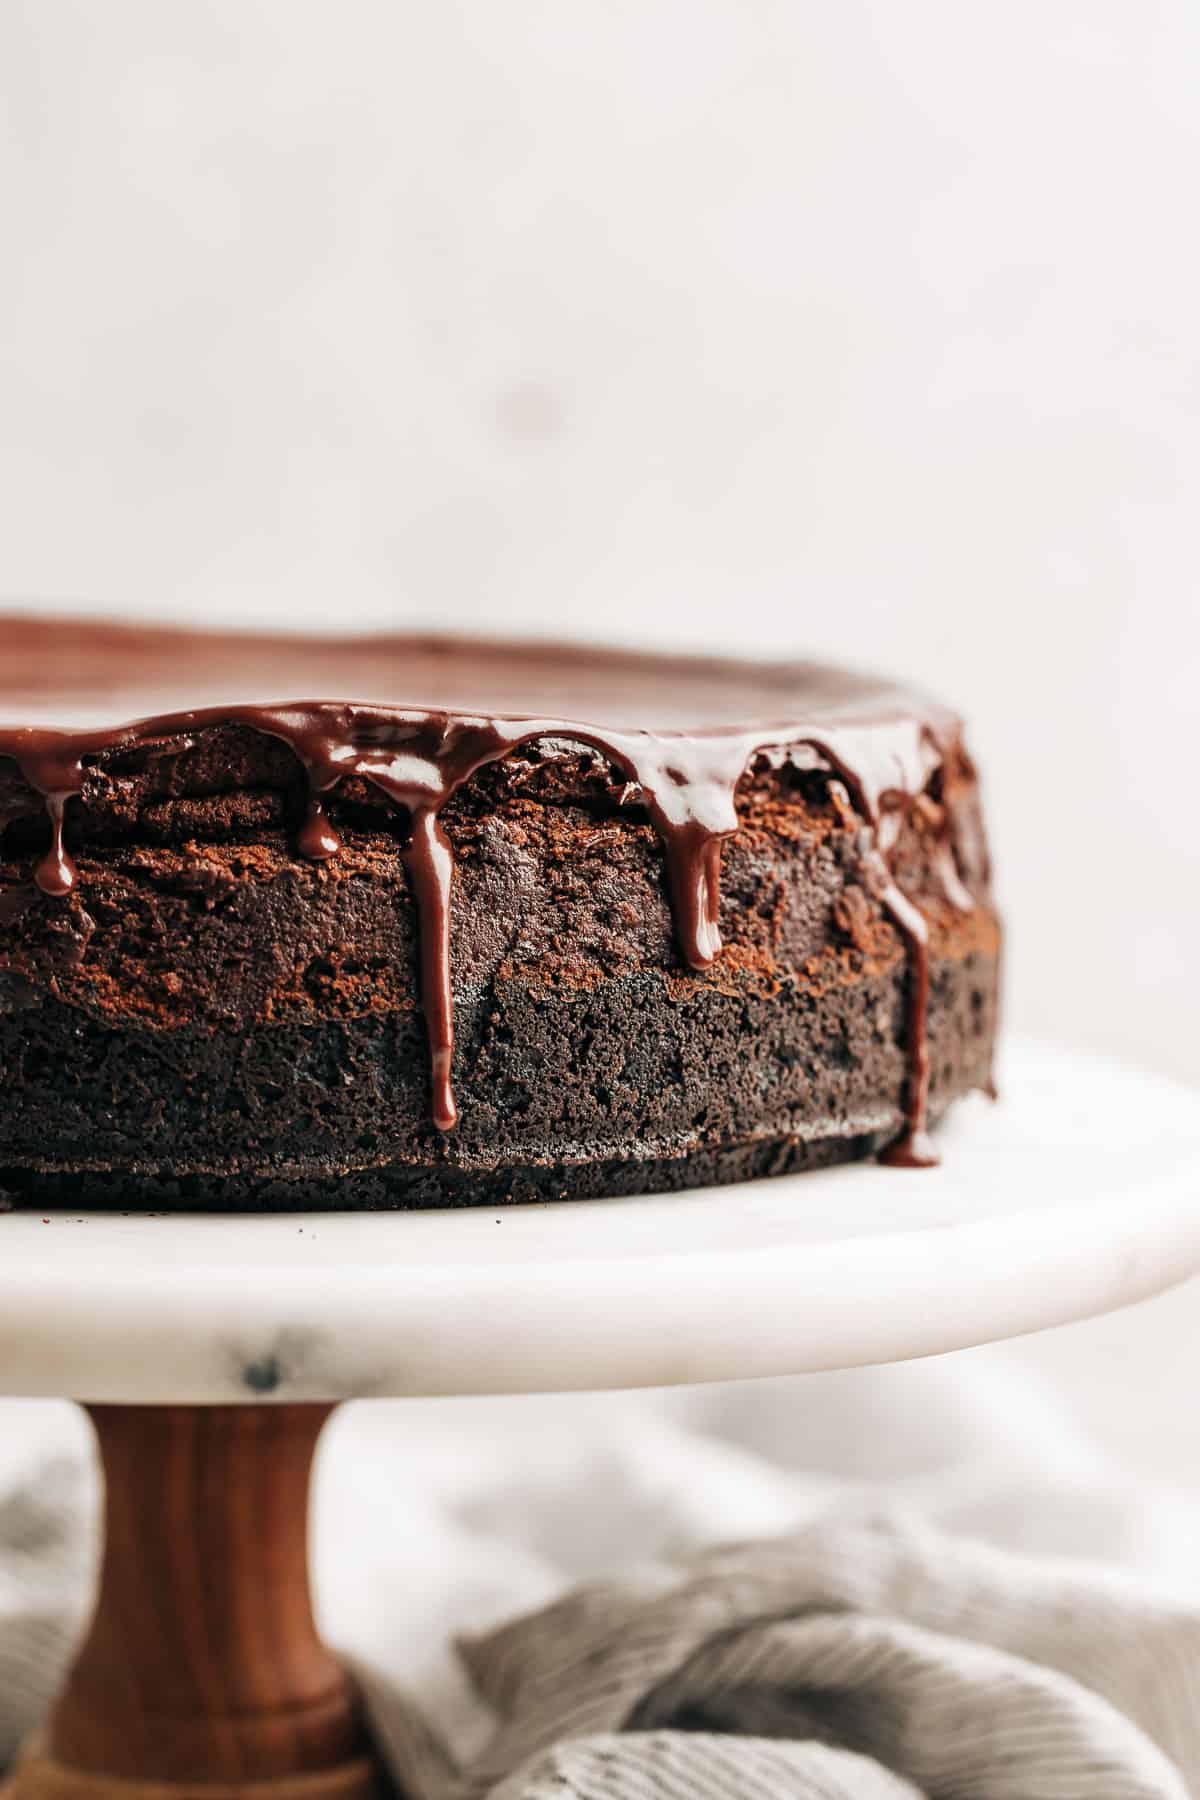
pixel 209 1018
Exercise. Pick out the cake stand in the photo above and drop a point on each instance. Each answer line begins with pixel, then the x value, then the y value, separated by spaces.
pixel 210 1350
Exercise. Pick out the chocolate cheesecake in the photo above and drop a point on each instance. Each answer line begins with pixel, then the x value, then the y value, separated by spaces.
pixel 292 923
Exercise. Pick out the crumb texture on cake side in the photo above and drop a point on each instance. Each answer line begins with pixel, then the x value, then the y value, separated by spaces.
pixel 650 952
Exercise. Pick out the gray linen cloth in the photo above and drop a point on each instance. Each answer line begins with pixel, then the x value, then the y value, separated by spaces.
pixel 866 1641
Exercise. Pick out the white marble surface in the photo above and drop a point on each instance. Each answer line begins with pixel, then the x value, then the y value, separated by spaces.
pixel 1078 1193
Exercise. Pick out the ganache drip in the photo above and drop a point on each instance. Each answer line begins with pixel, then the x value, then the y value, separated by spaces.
pixel 885 755
pixel 316 838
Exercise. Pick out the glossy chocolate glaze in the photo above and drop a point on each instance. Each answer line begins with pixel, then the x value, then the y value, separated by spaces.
pixel 418 717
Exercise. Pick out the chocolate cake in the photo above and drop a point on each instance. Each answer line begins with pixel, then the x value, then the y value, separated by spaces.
pixel 289 922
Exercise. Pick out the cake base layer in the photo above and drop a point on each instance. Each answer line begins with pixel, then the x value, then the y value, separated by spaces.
pixel 639 1087
pixel 400 1186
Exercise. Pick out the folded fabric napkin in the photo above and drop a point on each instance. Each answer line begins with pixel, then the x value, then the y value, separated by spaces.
pixel 876 1658
pixel 865 1642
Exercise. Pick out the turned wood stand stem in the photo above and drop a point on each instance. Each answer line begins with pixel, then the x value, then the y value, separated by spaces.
pixel 202 1674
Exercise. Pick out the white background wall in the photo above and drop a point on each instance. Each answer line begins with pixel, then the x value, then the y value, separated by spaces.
pixel 866 328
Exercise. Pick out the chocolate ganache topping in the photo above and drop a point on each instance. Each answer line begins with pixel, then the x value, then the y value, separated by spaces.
pixel 418 716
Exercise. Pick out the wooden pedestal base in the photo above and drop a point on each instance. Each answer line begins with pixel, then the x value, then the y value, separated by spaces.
pixel 202 1676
